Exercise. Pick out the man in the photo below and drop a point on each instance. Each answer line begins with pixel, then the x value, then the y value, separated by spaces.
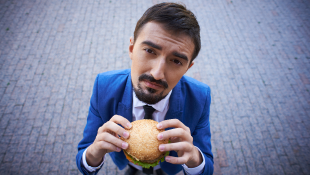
pixel 166 41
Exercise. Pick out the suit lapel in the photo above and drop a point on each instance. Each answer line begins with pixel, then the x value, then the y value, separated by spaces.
pixel 125 105
pixel 175 103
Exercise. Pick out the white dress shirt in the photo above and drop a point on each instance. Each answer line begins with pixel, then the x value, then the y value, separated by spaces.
pixel 158 115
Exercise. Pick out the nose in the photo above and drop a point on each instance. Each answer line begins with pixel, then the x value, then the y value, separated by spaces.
pixel 158 70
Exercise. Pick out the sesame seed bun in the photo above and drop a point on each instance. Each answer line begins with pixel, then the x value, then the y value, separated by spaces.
pixel 143 143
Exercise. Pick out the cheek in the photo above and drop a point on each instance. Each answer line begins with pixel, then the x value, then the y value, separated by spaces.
pixel 138 67
pixel 173 78
pixel 141 64
pixel 137 61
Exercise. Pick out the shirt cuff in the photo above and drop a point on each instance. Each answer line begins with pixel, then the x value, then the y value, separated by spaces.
pixel 197 170
pixel 90 168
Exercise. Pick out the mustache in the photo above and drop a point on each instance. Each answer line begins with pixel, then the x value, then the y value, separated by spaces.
pixel 152 79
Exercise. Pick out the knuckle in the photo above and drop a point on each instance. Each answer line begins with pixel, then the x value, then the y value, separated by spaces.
pixel 175 121
pixel 177 161
pixel 183 146
pixel 171 122
pixel 108 146
pixel 111 147
pixel 185 159
pixel 119 130
pixel 105 135
pixel 191 139
pixel 183 132
pixel 103 145
pixel 188 129
pixel 190 147
pixel 119 144
pixel 114 117
pixel 166 122
pixel 99 129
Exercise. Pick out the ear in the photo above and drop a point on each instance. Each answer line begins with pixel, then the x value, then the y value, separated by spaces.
pixel 131 47
pixel 192 63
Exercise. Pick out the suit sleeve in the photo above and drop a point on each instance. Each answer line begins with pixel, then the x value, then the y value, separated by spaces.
pixel 94 121
pixel 202 136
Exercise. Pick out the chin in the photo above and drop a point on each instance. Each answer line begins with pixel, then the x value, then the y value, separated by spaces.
pixel 147 97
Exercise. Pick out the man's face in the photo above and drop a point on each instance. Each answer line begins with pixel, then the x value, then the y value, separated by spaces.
pixel 159 60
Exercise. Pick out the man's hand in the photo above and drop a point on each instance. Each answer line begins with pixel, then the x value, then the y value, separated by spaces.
pixel 107 140
pixel 181 142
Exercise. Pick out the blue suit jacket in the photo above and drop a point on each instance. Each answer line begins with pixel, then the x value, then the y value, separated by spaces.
pixel 112 94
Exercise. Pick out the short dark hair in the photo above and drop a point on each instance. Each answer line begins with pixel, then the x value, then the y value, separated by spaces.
pixel 176 18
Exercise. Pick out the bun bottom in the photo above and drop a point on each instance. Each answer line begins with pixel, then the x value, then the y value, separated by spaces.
pixel 129 158
pixel 144 164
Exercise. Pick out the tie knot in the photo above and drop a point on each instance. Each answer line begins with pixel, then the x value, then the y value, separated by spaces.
pixel 148 110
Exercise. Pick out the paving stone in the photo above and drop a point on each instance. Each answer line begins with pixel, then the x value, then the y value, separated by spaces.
pixel 304 164
pixel 22 144
pixel 268 165
pixel 8 157
pixel 243 170
pixel 222 158
pixel 5 167
pixel 239 157
pixel 255 57
pixel 217 168
pixel 235 140
pixel 251 166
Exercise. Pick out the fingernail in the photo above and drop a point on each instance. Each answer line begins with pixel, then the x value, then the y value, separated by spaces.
pixel 124 145
pixel 129 125
pixel 125 134
pixel 159 125
pixel 167 159
pixel 160 136
pixel 161 147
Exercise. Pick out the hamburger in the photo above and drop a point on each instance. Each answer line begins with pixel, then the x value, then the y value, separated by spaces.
pixel 143 145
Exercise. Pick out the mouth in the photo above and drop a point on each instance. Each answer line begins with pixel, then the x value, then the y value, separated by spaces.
pixel 153 85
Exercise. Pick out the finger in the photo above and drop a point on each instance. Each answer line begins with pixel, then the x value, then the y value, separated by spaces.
pixel 179 146
pixel 115 128
pixel 118 120
pixel 175 133
pixel 122 121
pixel 172 123
pixel 108 146
pixel 176 160
pixel 107 137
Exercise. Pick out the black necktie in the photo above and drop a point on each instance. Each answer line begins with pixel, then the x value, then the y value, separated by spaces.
pixel 148 110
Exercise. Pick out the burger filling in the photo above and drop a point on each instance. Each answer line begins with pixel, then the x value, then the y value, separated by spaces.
pixel 147 163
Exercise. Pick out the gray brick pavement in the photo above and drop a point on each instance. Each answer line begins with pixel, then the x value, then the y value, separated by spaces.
pixel 255 56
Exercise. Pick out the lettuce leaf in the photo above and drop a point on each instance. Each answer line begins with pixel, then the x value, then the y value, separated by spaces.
pixel 148 165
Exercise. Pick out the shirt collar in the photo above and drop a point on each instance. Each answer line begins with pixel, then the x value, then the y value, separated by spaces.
pixel 159 106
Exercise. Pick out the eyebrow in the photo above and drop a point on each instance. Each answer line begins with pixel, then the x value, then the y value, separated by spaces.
pixel 150 43
pixel 177 54
pixel 182 56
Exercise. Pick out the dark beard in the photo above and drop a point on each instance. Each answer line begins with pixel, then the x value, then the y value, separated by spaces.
pixel 151 97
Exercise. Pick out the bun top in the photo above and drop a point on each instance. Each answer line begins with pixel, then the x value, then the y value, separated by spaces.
pixel 142 142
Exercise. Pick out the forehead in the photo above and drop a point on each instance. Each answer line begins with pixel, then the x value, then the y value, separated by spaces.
pixel 156 32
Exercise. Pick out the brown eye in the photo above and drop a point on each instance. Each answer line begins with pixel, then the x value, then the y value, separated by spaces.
pixel 177 62
pixel 149 51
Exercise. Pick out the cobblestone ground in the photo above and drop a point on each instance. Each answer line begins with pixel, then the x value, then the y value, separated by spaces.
pixel 255 56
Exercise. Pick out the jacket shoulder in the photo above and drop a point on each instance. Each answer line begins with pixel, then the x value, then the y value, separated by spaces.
pixel 113 78
pixel 114 73
pixel 194 85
